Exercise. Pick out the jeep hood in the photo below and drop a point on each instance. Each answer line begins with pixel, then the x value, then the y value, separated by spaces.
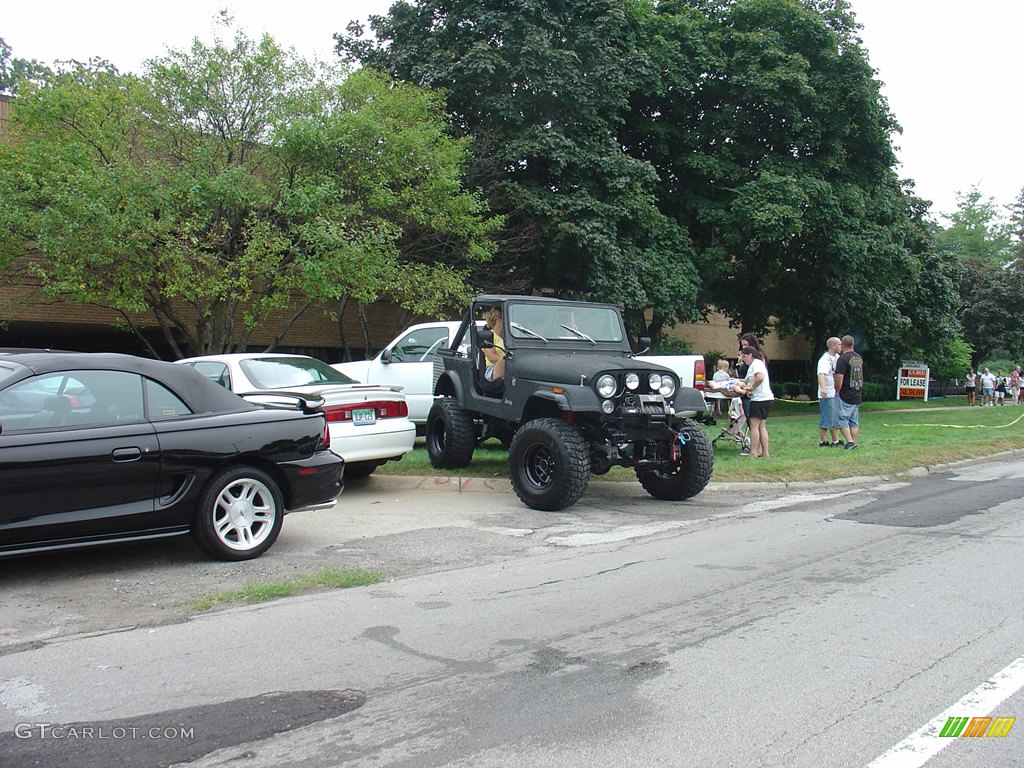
pixel 569 367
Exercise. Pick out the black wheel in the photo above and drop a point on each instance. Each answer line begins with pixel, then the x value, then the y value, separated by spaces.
pixel 451 435
pixel 239 514
pixel 549 464
pixel 359 469
pixel 690 474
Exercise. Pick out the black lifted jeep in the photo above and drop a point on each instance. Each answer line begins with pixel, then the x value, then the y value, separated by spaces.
pixel 573 401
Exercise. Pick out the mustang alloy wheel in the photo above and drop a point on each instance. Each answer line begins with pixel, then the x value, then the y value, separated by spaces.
pixel 239 514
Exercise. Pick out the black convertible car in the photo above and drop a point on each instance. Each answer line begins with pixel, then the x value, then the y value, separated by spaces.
pixel 100 448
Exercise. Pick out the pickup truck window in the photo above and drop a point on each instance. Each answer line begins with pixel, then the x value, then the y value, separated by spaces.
pixel 420 346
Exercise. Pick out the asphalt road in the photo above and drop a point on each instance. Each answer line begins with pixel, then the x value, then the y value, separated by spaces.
pixel 753 626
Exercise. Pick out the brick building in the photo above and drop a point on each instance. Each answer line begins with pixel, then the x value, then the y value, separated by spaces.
pixel 27 318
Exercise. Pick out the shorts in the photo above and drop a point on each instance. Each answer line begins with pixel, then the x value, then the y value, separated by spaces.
pixel 986 391
pixel 849 415
pixel 489 373
pixel 827 412
pixel 759 409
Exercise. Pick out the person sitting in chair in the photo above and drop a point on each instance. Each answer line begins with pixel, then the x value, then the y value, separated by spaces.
pixel 495 355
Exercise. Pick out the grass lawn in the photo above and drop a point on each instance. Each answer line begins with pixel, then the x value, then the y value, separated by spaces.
pixel 894 437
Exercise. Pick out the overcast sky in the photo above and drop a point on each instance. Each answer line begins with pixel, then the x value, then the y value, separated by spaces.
pixel 952 69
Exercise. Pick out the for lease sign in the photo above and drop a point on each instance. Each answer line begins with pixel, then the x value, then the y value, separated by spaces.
pixel 912 381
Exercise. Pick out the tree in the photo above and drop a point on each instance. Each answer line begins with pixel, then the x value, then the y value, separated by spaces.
pixel 772 142
pixel 233 181
pixel 14 70
pixel 977 230
pixel 990 312
pixel 542 88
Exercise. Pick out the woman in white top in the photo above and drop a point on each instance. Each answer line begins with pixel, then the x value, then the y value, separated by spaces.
pixel 761 398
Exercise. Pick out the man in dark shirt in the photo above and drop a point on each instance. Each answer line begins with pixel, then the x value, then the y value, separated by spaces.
pixel 849 378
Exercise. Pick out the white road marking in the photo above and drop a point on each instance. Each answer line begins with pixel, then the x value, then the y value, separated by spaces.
pixel 923 744
pixel 21 695
pixel 623 533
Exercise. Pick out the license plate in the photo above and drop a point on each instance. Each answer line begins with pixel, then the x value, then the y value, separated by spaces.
pixel 363 416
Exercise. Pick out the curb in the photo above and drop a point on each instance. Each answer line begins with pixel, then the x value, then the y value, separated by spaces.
pixel 462 484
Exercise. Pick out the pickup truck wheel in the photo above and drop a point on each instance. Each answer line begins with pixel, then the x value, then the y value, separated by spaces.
pixel 451 435
pixel 549 465
pixel 690 474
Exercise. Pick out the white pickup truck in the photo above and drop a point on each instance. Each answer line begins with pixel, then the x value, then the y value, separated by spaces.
pixel 409 360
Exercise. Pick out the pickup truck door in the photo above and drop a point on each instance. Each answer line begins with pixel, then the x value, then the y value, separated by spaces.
pixel 409 361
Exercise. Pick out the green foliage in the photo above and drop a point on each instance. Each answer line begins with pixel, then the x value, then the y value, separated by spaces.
pixel 873 391
pixel 673 345
pixel 771 138
pixel 950 362
pixel 991 295
pixel 14 70
pixel 977 230
pixel 542 88
pixel 234 180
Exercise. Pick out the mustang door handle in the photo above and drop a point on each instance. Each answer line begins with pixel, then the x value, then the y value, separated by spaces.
pixel 126 454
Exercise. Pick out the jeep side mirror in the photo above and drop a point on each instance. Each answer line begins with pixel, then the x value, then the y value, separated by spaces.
pixel 486 337
pixel 645 345
pixel 385 356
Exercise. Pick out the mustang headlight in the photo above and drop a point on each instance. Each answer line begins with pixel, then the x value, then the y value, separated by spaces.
pixel 606 386
pixel 668 386
pixel 632 380
pixel 654 382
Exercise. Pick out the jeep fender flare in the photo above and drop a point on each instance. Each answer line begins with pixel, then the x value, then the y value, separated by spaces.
pixel 450 385
pixel 544 404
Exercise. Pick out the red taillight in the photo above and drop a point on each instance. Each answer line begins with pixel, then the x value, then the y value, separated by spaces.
pixel 327 436
pixel 698 374
pixel 386 409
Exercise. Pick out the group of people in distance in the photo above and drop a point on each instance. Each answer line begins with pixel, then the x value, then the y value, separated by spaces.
pixel 996 389
pixel 840 392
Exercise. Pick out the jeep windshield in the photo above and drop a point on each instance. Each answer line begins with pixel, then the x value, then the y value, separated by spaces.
pixel 582 324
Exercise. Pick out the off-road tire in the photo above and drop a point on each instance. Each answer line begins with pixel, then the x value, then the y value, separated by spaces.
pixel 549 464
pixel 451 435
pixel 691 473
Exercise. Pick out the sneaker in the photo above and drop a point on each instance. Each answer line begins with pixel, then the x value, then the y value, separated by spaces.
pixel 837 444
pixel 850 447
pixel 823 444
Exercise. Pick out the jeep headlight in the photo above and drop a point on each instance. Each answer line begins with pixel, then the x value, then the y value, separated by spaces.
pixel 607 386
pixel 654 381
pixel 668 386
pixel 632 380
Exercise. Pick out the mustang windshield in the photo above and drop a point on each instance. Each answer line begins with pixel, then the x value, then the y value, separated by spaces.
pixel 586 325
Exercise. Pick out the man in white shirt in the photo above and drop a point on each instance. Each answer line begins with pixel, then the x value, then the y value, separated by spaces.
pixel 827 395
pixel 988 387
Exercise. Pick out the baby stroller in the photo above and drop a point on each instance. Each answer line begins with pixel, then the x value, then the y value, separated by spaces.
pixel 738 431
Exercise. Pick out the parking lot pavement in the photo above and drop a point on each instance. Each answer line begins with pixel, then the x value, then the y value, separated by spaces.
pixel 399 525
